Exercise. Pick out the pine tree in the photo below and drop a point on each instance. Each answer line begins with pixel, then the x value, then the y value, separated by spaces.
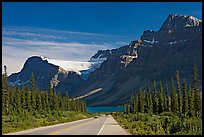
pixel 154 98
pixel 149 100
pixel 167 99
pixel 5 92
pixel 126 108
pixel 50 98
pixel 64 103
pixel 84 106
pixel 33 94
pixel 190 102
pixel 164 103
pixel 55 101
pixel 69 107
pixel 132 104
pixel 23 96
pixel 146 102
pixel 11 102
pixel 38 101
pixel 174 103
pixel 136 104
pixel 161 99
pixel 185 99
pixel 47 101
pixel 28 99
pixel 18 100
pixel 43 101
pixel 141 101
pixel 60 100
pixel 178 91
pixel 197 96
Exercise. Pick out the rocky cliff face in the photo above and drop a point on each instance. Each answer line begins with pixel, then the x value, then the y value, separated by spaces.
pixel 177 45
pixel 42 70
pixel 155 56
pixel 46 73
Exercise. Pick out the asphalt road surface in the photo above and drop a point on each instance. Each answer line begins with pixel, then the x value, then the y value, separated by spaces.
pixel 103 125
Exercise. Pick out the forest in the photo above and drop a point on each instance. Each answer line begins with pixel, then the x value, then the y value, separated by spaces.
pixel 158 112
pixel 26 106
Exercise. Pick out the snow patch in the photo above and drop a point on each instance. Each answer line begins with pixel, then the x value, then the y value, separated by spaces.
pixel 173 42
pixel 81 68
pixel 152 41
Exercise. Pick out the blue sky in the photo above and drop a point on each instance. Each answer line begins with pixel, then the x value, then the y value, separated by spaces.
pixel 79 29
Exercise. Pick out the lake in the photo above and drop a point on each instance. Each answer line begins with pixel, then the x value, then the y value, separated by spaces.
pixel 105 109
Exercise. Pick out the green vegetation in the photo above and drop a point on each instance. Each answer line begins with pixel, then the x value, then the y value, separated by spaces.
pixel 28 120
pixel 161 113
pixel 27 107
pixel 166 123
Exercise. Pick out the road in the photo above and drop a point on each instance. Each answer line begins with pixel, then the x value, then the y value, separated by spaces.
pixel 103 125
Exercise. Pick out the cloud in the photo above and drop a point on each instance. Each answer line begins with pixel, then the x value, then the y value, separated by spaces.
pixel 19 44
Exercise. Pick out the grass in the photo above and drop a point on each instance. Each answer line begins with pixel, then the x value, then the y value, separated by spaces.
pixel 29 120
pixel 164 124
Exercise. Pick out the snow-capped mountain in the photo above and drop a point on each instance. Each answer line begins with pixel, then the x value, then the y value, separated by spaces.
pixel 112 75
pixel 56 72
pixel 81 68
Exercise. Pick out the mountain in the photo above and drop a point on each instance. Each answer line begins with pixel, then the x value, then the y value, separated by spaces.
pixel 66 76
pixel 155 56
pixel 111 76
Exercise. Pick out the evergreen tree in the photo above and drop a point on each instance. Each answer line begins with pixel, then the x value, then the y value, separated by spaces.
pixel 174 103
pixel 23 96
pixel 64 102
pixel 167 108
pixel 161 99
pixel 141 101
pixel 55 101
pixel 84 106
pixel 33 94
pixel 149 100
pixel 50 98
pixel 5 92
pixel 146 102
pixel 43 101
pixel 178 91
pixel 11 101
pixel 132 104
pixel 47 101
pixel 18 100
pixel 28 99
pixel 164 103
pixel 38 101
pixel 154 98
pixel 69 107
pixel 136 104
pixel 126 108
pixel 60 100
pixel 185 99
pixel 197 96
pixel 190 102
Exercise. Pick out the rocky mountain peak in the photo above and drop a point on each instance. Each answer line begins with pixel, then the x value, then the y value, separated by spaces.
pixel 175 21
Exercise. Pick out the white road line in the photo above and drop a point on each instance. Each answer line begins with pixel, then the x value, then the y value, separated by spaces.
pixel 102 127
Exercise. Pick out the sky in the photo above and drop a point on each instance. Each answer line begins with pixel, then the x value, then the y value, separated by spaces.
pixel 77 30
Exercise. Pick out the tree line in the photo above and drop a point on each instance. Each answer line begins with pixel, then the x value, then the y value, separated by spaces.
pixel 20 99
pixel 183 99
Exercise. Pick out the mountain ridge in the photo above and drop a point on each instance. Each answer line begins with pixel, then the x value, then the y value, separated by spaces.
pixel 155 55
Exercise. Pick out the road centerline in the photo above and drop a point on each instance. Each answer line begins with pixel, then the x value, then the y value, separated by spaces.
pixel 102 127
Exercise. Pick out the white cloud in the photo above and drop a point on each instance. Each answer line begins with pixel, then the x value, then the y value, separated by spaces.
pixel 19 44
pixel 16 51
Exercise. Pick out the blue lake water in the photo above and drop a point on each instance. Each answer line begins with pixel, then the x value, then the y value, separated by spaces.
pixel 105 109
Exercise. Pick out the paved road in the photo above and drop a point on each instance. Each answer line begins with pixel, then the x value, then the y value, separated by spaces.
pixel 103 125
